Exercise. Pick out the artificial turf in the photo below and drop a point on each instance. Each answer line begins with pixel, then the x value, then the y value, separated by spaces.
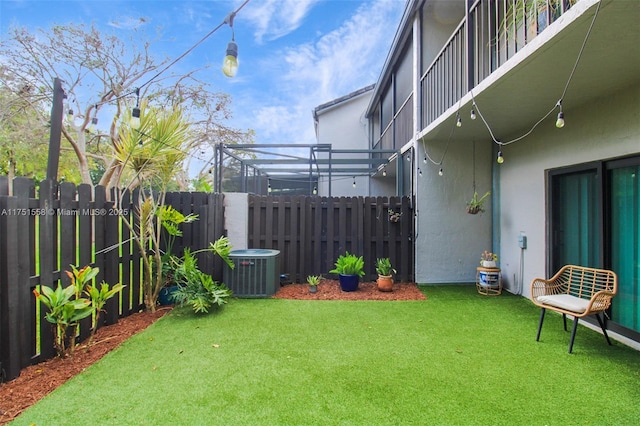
pixel 457 358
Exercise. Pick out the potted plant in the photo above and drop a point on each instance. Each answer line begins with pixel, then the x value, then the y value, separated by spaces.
pixel 488 259
pixel 313 281
pixel 385 274
pixel 350 268
pixel 476 205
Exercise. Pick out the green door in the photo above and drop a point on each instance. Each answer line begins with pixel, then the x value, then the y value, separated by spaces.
pixel 624 244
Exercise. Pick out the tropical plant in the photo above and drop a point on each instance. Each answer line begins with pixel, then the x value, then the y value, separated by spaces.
pixel 476 204
pixel 383 267
pixel 65 310
pixel 196 288
pixel 534 12
pixel 349 264
pixel 98 298
pixel 314 280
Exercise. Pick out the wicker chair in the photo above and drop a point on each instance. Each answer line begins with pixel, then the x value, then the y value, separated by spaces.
pixel 577 291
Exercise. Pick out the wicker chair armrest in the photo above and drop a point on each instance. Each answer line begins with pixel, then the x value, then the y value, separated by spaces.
pixel 600 301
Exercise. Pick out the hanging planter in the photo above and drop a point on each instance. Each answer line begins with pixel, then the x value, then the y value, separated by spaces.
pixel 394 216
pixel 476 205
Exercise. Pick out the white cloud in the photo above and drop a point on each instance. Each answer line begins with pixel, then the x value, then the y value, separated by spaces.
pixel 273 19
pixel 339 62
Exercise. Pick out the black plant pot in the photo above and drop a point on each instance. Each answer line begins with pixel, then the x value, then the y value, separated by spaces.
pixel 349 282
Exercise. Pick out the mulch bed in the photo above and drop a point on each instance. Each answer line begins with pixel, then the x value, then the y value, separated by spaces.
pixel 36 381
pixel 330 290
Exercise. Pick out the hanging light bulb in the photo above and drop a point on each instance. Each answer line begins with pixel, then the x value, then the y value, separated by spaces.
pixel 269 186
pixel 315 190
pixel 384 172
pixel 92 126
pixel 440 172
pixel 560 120
pixel 473 113
pixel 230 62
pixel 135 112
pixel 419 172
pixel 458 120
pixel 424 160
pixel 500 158
pixel 354 182
pixel 135 118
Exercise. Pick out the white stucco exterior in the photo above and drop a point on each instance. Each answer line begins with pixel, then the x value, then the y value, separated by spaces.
pixel 341 123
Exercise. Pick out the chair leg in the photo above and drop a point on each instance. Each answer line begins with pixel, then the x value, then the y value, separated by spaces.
pixel 573 333
pixel 604 331
pixel 540 324
pixel 564 321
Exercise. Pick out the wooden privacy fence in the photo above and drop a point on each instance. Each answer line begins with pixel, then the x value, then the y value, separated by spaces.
pixel 311 232
pixel 41 236
pixel 64 224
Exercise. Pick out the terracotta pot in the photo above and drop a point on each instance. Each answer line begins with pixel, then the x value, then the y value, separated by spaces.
pixel 385 283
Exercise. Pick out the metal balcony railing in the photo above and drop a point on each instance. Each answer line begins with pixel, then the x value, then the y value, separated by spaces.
pixel 491 33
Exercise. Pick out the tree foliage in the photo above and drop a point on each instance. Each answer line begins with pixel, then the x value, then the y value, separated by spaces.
pixel 101 75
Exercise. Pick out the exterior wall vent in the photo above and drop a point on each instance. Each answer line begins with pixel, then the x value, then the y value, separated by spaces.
pixel 256 272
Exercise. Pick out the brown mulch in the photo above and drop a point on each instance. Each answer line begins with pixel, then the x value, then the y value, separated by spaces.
pixel 36 381
pixel 330 290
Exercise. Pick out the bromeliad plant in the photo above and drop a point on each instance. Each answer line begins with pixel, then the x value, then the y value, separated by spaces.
pixel 384 268
pixel 349 264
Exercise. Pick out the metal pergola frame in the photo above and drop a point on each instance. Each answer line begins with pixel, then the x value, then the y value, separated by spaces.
pixel 323 160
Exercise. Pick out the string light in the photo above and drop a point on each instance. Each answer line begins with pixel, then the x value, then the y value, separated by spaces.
pixel 92 126
pixel 354 182
pixel 440 172
pixel 135 113
pixel 384 171
pixel 473 112
pixel 424 160
pixel 230 62
pixel 269 186
pixel 500 158
pixel 419 172
pixel 315 190
pixel 458 120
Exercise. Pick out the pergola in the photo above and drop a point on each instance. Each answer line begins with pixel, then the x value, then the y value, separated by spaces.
pixel 287 162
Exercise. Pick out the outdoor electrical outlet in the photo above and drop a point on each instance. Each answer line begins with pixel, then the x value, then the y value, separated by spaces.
pixel 522 241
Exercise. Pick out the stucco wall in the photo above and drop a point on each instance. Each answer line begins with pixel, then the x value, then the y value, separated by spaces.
pixel 344 127
pixel 602 129
pixel 449 241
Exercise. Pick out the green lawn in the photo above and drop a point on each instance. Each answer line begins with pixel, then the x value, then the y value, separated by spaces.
pixel 457 358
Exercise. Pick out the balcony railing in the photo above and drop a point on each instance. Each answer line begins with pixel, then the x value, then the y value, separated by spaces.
pixel 492 32
pixel 400 130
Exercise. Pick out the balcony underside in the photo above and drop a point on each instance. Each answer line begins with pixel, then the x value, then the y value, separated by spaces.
pixel 529 84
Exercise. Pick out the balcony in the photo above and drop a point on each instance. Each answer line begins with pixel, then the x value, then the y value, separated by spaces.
pixel 524 51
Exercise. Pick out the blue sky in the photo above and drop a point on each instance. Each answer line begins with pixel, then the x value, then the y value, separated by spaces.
pixel 294 54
